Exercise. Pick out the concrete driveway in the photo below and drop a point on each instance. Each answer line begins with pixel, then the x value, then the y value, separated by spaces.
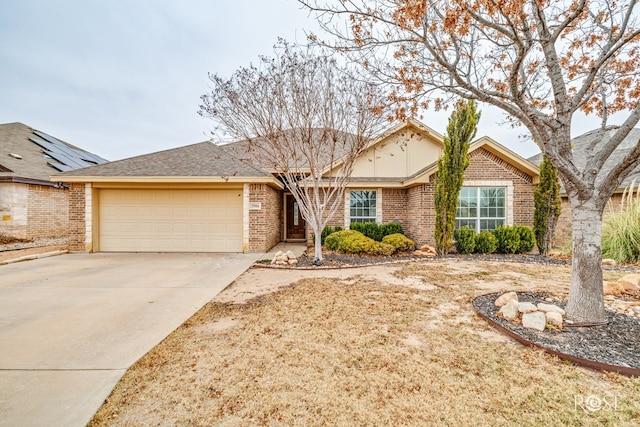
pixel 71 325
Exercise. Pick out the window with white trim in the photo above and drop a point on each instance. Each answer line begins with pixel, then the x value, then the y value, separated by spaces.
pixel 482 208
pixel 362 206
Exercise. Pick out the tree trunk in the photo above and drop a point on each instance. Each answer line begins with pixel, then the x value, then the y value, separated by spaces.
pixel 586 298
pixel 317 256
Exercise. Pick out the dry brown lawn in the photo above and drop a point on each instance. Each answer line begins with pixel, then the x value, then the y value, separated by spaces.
pixel 374 346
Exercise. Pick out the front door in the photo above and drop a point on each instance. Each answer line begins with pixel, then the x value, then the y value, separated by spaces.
pixel 295 224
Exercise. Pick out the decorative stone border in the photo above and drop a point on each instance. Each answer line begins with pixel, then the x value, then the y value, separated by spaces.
pixel 591 364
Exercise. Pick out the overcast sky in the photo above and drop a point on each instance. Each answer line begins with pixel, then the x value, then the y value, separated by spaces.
pixel 122 78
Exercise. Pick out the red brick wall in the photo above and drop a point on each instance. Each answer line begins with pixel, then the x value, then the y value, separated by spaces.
pixel 394 206
pixel 420 214
pixel 77 217
pixel 47 212
pixel 487 166
pixel 484 166
pixel 266 224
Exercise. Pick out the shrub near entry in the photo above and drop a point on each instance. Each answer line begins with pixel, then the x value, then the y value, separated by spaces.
pixel 486 243
pixel 527 239
pixel 465 238
pixel 376 231
pixel 508 239
pixel 400 242
pixel 354 242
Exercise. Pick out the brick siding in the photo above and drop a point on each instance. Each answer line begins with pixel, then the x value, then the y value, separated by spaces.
pixel 77 225
pixel 394 205
pixel 484 166
pixel 47 212
pixel 266 224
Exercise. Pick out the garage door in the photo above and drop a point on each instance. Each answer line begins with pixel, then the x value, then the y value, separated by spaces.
pixel 170 220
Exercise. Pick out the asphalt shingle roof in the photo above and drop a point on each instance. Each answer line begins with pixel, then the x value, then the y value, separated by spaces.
pixel 201 159
pixel 579 143
pixel 250 151
pixel 21 157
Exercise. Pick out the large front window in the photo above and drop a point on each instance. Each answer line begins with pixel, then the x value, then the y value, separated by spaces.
pixel 362 206
pixel 481 208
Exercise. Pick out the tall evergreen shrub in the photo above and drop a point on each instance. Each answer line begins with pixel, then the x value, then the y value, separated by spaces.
pixel 548 206
pixel 451 166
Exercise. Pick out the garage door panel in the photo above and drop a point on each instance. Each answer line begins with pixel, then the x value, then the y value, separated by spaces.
pixel 170 220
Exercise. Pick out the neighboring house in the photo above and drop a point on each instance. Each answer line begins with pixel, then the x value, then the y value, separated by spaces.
pixel 205 197
pixel 563 232
pixel 31 205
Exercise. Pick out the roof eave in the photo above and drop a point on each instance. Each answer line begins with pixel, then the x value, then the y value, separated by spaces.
pixel 271 180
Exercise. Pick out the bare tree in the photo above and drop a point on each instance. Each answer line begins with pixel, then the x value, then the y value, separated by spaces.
pixel 540 61
pixel 304 118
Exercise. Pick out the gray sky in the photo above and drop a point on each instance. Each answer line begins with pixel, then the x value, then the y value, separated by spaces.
pixel 122 78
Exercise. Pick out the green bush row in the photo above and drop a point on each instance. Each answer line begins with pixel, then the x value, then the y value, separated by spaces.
pixel 354 242
pixel 505 239
pixel 376 231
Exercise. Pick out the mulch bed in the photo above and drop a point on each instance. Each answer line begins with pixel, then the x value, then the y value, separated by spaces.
pixel 615 343
pixel 334 259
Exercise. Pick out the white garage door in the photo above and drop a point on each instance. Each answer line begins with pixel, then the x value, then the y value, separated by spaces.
pixel 170 220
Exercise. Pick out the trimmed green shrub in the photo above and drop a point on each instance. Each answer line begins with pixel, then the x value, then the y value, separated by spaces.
pixel 486 243
pixel 508 239
pixel 357 226
pixel 399 241
pixel 386 249
pixel 465 238
pixel 391 228
pixel 372 231
pixel 527 239
pixel 376 231
pixel 332 242
pixel 354 242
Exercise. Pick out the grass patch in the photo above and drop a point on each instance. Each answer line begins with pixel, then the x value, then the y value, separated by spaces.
pixel 337 352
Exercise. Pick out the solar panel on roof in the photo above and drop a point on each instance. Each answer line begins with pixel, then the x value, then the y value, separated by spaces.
pixel 61 168
pixel 41 143
pixel 66 160
pixel 63 153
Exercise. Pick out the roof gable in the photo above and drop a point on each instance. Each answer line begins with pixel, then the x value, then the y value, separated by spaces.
pixel 398 153
pixel 516 161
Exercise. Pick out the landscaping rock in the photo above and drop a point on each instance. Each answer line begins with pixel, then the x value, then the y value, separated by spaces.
pixel 613 288
pixel 276 257
pixel 291 255
pixel 419 252
pixel 633 279
pixel 527 307
pixel 550 308
pixel 630 283
pixel 505 298
pixel 293 261
pixel 554 319
pixel 534 320
pixel 609 262
pixel 430 249
pixel 509 311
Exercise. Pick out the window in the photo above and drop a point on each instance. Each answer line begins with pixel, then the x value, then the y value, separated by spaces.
pixel 362 206
pixel 481 208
